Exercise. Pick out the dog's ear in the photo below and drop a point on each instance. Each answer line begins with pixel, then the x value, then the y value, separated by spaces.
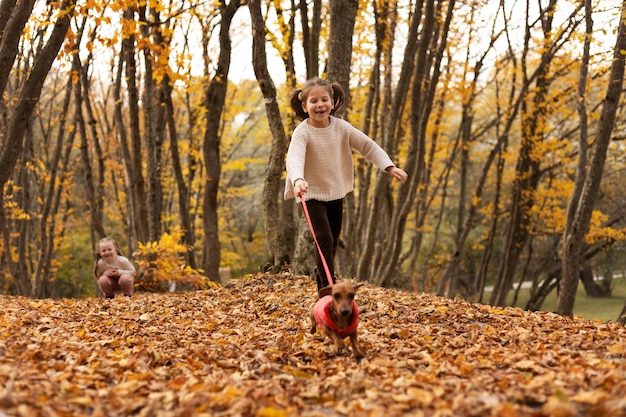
pixel 327 290
pixel 358 285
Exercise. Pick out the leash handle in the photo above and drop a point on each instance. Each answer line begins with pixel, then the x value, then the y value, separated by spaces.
pixel 319 249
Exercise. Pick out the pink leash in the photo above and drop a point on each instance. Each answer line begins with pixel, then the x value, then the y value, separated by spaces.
pixel 308 219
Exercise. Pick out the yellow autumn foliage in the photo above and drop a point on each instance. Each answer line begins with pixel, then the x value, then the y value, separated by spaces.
pixel 162 263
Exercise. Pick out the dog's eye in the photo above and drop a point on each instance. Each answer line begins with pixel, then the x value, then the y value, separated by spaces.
pixel 351 296
pixel 337 297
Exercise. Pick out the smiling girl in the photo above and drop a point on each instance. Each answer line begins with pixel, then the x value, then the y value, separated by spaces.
pixel 113 271
pixel 319 163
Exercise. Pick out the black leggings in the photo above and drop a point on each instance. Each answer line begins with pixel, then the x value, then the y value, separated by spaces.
pixel 326 217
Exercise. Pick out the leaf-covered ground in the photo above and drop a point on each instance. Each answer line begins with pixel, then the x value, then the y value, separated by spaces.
pixel 244 350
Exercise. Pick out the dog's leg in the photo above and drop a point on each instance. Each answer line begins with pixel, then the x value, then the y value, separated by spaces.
pixel 341 347
pixel 313 322
pixel 354 340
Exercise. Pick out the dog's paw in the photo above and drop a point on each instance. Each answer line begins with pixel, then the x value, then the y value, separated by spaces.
pixel 359 355
pixel 341 350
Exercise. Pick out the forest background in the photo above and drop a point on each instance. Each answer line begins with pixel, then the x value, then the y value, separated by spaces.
pixel 136 120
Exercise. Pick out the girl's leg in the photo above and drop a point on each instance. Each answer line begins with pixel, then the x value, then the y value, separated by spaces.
pixel 335 219
pixel 126 284
pixel 106 284
pixel 326 218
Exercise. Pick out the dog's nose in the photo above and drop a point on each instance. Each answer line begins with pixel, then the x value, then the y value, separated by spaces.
pixel 345 311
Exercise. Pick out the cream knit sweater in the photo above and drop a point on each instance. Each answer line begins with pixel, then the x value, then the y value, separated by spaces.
pixel 323 157
pixel 121 263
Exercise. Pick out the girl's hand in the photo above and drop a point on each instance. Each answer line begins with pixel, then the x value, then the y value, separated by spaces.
pixel 300 186
pixel 112 272
pixel 398 173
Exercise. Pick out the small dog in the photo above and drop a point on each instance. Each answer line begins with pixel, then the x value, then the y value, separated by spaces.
pixel 337 315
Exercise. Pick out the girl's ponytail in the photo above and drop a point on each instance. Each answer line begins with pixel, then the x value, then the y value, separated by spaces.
pixel 295 99
pixel 95 265
pixel 338 97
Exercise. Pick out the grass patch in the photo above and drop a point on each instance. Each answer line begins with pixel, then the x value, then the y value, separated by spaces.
pixel 593 308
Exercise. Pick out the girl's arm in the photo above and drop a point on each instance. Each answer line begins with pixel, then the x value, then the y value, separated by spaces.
pixel 367 147
pixel 100 268
pixel 125 266
pixel 294 164
pixel 296 154
pixel 372 151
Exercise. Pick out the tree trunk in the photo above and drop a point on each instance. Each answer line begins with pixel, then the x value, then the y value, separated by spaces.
pixel 311 37
pixel 342 19
pixel 99 159
pixel 591 288
pixel 574 236
pixel 13 21
pixel 545 288
pixel 622 315
pixel 183 189
pixel 370 218
pixel 355 210
pixel 154 118
pixel 193 167
pixel 427 70
pixel 527 173
pixel 214 99
pixel 276 164
pixel 481 276
pixel 94 199
pixel 132 152
pixel 19 122
pixel 288 218
pixel 51 198
pixel 297 239
pixel 31 91
pixel 466 217
pixel 6 8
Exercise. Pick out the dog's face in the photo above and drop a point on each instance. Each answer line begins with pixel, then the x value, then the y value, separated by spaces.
pixel 343 296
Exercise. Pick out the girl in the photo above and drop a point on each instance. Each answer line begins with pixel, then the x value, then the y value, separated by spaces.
pixel 319 163
pixel 113 271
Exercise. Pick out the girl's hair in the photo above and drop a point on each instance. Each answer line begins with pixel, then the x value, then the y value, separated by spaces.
pixel 98 256
pixel 300 95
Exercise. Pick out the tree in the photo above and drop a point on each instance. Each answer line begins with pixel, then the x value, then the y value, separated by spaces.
pixel 342 18
pixel 419 77
pixel 589 177
pixel 130 137
pixel 467 217
pixel 13 140
pixel 215 96
pixel 273 174
pixel 534 111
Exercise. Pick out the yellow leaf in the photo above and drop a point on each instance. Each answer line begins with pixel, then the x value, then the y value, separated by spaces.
pixel 272 412
pixel 616 348
pixel 555 407
pixel 590 397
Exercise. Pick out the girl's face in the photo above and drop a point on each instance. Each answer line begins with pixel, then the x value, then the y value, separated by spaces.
pixel 107 250
pixel 318 105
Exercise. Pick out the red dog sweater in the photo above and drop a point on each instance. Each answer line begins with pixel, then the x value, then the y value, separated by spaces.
pixel 321 312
